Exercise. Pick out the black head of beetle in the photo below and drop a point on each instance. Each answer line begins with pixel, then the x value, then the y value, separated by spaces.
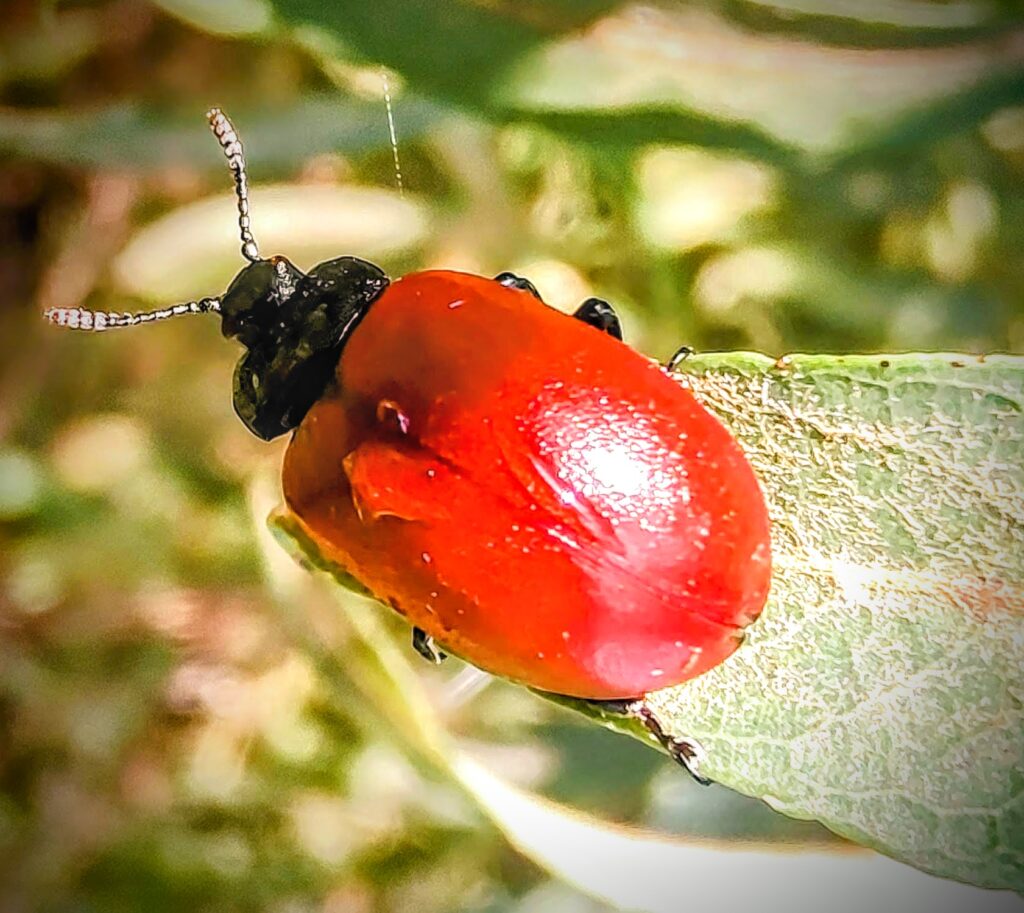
pixel 292 324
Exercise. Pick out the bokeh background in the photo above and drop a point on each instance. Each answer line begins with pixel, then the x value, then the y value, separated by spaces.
pixel 188 721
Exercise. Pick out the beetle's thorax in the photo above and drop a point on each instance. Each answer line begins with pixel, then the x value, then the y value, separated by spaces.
pixel 294 326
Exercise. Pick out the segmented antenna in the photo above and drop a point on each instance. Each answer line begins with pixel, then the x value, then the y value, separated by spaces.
pixel 81 319
pixel 227 136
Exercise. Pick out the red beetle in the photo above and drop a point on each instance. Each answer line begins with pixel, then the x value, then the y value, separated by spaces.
pixel 522 486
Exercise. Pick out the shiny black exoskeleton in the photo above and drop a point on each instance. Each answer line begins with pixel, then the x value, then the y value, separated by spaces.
pixel 294 326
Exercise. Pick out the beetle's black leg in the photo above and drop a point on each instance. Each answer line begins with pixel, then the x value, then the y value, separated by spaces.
pixel 424 644
pixel 687 753
pixel 514 281
pixel 681 354
pixel 597 312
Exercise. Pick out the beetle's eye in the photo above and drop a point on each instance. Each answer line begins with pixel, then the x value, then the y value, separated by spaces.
pixel 392 417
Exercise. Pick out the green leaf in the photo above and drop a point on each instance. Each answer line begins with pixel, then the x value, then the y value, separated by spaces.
pixel 455 50
pixel 882 690
pixel 701 65
pixel 143 139
pixel 872 23
pixel 467 54
pixel 635 74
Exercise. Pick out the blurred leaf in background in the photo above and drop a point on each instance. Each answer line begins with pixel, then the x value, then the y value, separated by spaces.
pixel 184 722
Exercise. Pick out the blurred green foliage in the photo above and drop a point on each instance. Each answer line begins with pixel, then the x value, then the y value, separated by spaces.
pixel 769 174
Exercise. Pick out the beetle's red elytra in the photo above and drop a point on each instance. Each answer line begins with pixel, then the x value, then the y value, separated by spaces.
pixel 530 492
pixel 526 489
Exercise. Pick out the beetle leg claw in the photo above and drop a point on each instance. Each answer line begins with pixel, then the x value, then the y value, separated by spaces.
pixel 681 354
pixel 511 280
pixel 598 313
pixel 689 754
pixel 686 752
pixel 425 645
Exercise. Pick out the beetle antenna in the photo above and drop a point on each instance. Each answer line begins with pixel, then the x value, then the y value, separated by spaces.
pixel 81 319
pixel 227 136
